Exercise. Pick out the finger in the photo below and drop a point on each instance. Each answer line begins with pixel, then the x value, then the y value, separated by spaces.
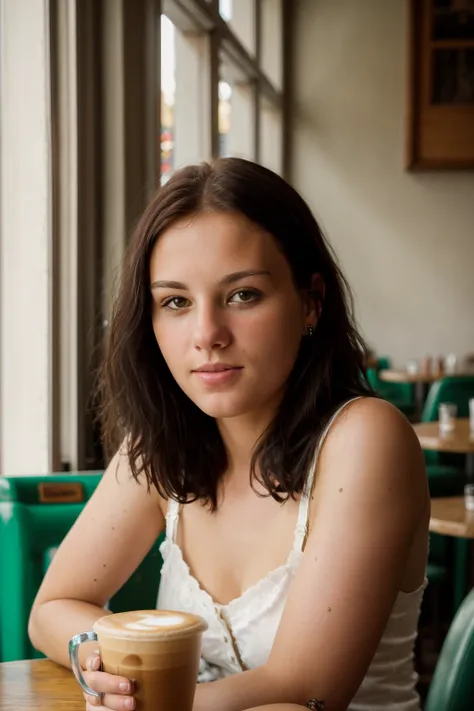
pixel 108 683
pixel 93 663
pixel 112 702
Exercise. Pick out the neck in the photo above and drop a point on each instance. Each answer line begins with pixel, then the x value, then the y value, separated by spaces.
pixel 240 435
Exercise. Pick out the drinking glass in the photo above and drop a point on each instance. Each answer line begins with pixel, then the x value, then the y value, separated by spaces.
pixel 469 497
pixel 447 417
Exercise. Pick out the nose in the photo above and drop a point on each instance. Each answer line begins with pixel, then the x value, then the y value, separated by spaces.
pixel 210 329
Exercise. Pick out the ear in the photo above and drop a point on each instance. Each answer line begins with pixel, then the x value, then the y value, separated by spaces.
pixel 314 299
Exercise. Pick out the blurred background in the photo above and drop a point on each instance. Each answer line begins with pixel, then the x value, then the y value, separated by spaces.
pixel 101 100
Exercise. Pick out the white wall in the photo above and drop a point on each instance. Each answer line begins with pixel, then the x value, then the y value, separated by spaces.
pixel 405 241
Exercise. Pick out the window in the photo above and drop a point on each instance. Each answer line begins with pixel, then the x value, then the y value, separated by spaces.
pixel 236 114
pixel 185 93
pixel 221 82
pixel 271 137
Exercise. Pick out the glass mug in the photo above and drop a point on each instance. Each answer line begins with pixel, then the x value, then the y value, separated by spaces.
pixel 158 649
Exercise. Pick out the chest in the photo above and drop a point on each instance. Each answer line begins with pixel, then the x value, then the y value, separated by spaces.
pixel 230 550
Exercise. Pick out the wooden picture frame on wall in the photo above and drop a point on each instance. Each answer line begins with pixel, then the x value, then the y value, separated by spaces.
pixel 440 131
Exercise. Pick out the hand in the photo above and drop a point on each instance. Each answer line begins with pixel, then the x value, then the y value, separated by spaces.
pixel 116 690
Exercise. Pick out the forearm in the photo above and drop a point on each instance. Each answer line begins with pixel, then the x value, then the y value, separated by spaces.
pixel 256 687
pixel 52 624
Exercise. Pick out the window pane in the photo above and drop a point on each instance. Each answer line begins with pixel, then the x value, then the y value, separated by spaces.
pixel 185 98
pixel 271 137
pixel 225 9
pixel 236 114
pixel 168 97
pixel 240 14
pixel 272 41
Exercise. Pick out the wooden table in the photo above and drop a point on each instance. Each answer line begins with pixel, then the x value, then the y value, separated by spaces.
pixel 460 440
pixel 38 685
pixel 450 517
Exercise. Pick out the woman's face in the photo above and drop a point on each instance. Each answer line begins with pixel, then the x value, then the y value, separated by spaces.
pixel 226 314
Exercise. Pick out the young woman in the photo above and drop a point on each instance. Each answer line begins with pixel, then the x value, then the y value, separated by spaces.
pixel 295 502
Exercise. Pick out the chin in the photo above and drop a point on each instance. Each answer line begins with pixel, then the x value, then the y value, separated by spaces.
pixel 222 407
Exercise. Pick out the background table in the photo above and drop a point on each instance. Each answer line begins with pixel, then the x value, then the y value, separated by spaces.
pixel 460 440
pixel 38 685
pixel 449 517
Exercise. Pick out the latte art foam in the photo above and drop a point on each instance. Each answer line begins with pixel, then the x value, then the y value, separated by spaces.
pixel 149 624
pixel 155 622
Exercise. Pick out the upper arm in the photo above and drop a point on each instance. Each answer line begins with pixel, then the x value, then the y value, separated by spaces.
pixel 110 538
pixel 369 500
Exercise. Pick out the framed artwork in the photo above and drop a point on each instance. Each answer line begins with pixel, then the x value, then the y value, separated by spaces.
pixel 441 84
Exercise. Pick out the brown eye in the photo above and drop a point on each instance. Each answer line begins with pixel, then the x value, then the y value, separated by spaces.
pixel 175 303
pixel 245 296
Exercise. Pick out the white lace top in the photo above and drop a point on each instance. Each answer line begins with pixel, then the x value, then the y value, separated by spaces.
pixel 240 634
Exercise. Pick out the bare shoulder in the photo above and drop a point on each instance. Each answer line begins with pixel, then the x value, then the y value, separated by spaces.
pixel 372 445
pixel 370 416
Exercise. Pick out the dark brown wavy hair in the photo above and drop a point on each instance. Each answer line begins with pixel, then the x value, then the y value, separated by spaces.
pixel 169 439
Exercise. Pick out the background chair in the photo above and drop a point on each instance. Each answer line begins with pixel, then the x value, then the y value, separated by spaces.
pixel 446 472
pixel 452 686
pixel 36 512
pixel 448 557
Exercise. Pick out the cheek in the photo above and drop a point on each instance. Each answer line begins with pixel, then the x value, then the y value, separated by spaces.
pixel 277 332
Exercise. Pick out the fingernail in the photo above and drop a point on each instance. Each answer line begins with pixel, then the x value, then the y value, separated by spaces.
pixel 95 664
pixel 129 703
pixel 125 686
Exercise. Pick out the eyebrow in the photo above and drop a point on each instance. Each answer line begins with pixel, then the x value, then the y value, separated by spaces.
pixel 225 281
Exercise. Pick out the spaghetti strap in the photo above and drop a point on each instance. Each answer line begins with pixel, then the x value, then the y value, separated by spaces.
pixel 303 509
pixel 172 516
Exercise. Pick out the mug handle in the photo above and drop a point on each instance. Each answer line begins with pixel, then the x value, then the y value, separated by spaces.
pixel 74 644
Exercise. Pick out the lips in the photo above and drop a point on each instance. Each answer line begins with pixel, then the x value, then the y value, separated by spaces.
pixel 216 368
pixel 218 374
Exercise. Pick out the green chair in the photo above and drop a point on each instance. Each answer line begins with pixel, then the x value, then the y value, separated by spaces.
pixel 36 512
pixel 446 477
pixel 446 472
pixel 399 394
pixel 452 686
pixel 455 389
